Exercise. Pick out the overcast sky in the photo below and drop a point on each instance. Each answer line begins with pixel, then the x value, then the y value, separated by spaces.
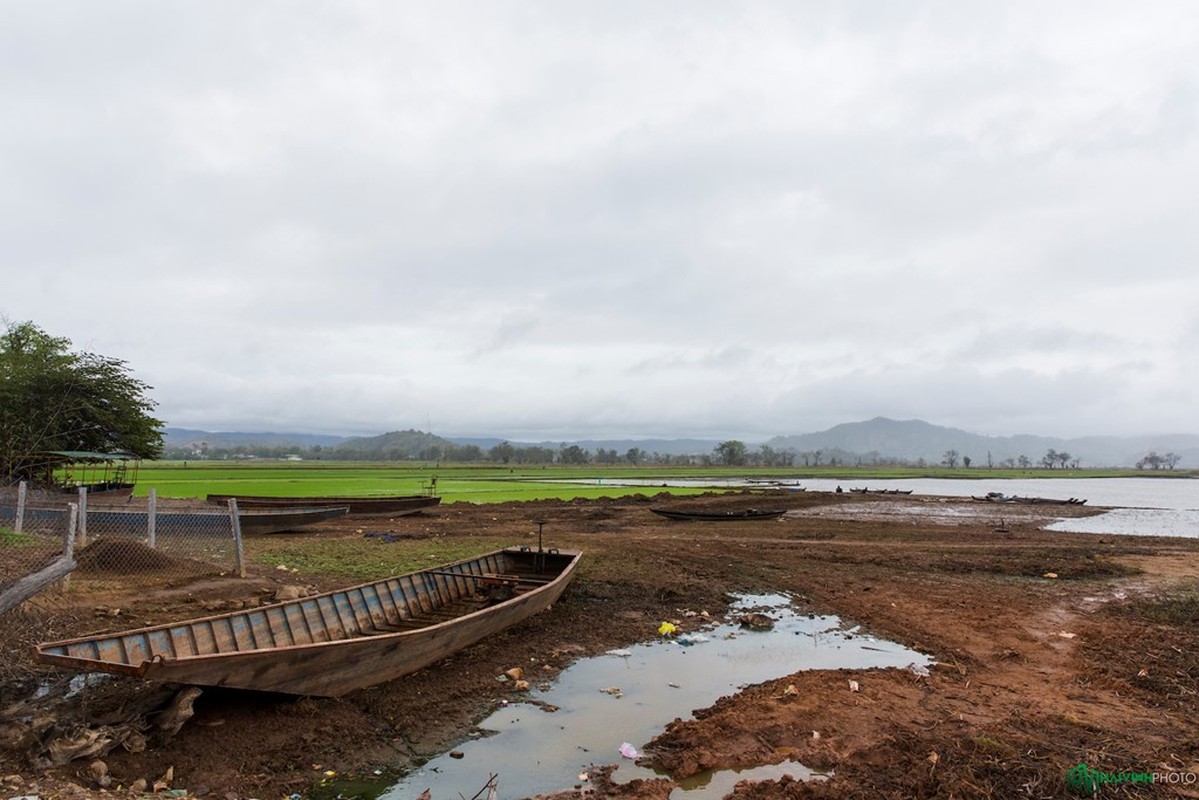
pixel 562 220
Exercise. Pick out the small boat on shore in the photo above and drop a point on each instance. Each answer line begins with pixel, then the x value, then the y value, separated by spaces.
pixel 719 516
pixel 124 522
pixel 397 506
pixel 329 644
pixel 1000 497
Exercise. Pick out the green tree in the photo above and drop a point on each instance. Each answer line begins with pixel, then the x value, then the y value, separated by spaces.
pixel 730 453
pixel 54 399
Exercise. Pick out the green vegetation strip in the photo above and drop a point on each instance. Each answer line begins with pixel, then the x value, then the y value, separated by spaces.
pixel 497 484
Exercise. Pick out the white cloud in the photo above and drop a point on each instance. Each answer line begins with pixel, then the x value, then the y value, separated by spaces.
pixel 567 219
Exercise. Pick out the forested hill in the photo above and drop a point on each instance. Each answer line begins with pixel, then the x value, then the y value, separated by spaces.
pixel 910 441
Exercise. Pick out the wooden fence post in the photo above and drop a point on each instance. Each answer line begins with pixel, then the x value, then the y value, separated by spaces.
pixel 22 490
pixel 68 544
pixel 152 519
pixel 239 553
pixel 83 516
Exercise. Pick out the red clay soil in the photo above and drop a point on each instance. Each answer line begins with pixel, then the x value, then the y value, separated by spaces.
pixel 1096 664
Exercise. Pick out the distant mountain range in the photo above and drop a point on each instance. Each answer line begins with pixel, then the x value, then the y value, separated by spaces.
pixel 912 440
pixel 870 441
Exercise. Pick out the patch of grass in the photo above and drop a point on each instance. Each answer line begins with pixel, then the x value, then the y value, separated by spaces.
pixel 363 560
pixel 1179 606
pixel 10 538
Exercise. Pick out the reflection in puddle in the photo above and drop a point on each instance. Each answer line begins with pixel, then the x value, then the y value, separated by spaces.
pixel 718 783
pixel 628 696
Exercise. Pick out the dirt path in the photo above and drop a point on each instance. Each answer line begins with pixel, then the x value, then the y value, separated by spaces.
pixel 1034 674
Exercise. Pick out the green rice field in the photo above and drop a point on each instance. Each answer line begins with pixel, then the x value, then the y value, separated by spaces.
pixel 497 484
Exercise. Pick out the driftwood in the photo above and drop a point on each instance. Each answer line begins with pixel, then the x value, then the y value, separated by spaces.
pixel 31 584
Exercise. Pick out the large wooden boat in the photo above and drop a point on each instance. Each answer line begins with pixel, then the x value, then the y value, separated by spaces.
pixel 120 521
pixel 719 516
pixel 397 506
pixel 330 644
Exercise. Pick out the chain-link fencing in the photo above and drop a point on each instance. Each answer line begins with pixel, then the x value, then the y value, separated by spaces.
pixel 157 540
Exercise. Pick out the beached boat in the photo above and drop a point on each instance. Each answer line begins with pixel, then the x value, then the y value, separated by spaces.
pixel 397 506
pixel 120 521
pixel 1000 497
pixel 330 644
pixel 719 516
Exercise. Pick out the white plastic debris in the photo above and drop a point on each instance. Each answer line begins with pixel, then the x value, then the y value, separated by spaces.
pixel 628 751
pixel 622 653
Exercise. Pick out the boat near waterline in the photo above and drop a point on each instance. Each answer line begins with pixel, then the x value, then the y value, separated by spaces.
pixel 253 521
pixel 719 516
pixel 397 506
pixel 333 643
pixel 999 497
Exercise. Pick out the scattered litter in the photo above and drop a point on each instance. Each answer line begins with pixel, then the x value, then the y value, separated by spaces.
pixel 854 687
pixel 520 686
pixel 457 754
pixel 1065 635
pixel 917 669
pixel 688 639
pixel 815 734
pixel 614 691
pixel 790 691
pixel 516 673
pixel 584 777
pixel 667 629
pixel 1144 673
pixel 622 653
pixel 628 751
pixel 1049 575
pixel 673 685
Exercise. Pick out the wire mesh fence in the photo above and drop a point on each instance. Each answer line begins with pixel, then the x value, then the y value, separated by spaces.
pixel 154 539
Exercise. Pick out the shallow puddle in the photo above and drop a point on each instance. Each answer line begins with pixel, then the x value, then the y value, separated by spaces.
pixel 627 697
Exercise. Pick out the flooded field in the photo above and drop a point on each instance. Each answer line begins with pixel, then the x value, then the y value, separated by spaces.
pixel 619 701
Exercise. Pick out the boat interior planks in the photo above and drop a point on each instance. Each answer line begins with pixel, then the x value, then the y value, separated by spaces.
pixel 333 643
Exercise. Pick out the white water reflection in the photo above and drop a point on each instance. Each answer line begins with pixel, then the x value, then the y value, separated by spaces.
pixel 1135 522
pixel 601 703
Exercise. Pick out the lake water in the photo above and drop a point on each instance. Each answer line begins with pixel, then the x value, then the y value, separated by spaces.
pixel 626 697
pixel 1139 506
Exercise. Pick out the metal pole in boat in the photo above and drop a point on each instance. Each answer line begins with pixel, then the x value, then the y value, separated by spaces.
pixel 539 560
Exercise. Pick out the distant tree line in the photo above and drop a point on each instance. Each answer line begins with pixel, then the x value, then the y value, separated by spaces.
pixel 419 446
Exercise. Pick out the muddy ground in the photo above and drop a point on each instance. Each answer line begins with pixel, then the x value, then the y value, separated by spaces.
pixel 1052 650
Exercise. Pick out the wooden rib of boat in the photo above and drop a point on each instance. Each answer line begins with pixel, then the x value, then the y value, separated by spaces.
pixel 330 644
pixel 397 506
pixel 254 521
pixel 719 516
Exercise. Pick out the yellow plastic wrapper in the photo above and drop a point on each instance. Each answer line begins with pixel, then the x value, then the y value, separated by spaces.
pixel 667 629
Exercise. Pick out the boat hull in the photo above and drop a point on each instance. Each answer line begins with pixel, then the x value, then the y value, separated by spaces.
pixel 254 522
pixel 718 516
pixel 359 506
pixel 331 644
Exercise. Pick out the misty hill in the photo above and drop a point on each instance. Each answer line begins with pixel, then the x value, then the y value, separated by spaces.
pixel 912 440
pixel 667 447
pixel 395 444
pixel 216 440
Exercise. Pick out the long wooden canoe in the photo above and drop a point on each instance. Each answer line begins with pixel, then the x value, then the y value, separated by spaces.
pixel 396 506
pixel 719 516
pixel 333 643
pixel 254 521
